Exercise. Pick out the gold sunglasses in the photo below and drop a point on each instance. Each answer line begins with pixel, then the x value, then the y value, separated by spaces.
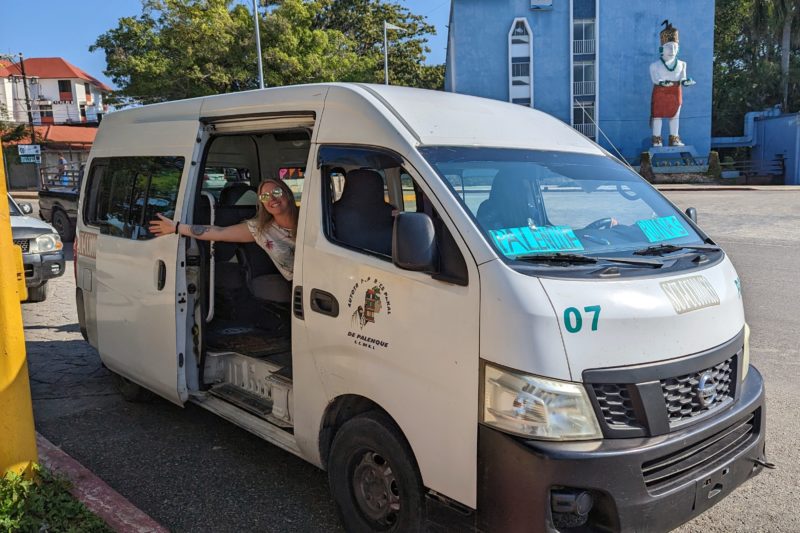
pixel 276 193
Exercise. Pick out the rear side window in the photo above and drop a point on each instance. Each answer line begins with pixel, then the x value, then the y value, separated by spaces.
pixel 125 193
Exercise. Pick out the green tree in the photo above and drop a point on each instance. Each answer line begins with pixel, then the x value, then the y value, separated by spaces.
pixel 11 131
pixel 780 16
pixel 180 49
pixel 186 48
pixel 362 21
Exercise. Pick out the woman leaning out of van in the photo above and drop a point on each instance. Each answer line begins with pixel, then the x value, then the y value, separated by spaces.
pixel 273 228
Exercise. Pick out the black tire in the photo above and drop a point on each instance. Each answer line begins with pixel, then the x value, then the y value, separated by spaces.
pixel 129 390
pixel 37 294
pixel 63 225
pixel 374 477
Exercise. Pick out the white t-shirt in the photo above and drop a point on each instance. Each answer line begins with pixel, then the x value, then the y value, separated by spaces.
pixel 278 244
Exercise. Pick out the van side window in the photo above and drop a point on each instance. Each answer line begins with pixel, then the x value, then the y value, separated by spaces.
pixel 363 190
pixel 124 193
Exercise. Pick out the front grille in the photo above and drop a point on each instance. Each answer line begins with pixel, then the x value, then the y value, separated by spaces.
pixel 681 393
pixel 665 472
pixel 615 403
pixel 25 244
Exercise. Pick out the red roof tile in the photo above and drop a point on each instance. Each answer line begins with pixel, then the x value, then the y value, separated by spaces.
pixel 51 68
pixel 60 134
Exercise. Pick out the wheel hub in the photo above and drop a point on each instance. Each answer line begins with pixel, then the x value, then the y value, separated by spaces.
pixel 376 489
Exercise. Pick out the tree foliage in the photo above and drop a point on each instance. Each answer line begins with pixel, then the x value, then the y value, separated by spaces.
pixel 185 48
pixel 748 63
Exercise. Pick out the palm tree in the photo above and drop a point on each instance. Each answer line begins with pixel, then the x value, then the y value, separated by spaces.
pixel 773 14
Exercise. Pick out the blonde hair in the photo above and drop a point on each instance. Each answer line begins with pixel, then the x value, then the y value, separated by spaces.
pixel 263 217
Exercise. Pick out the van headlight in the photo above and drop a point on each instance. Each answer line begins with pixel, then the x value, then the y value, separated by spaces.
pixel 536 407
pixel 49 242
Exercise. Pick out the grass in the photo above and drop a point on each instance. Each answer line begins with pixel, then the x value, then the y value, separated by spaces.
pixel 43 505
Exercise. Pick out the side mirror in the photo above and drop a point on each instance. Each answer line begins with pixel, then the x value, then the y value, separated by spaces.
pixel 414 242
pixel 691 212
pixel 26 207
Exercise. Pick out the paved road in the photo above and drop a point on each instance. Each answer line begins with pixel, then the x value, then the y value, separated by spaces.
pixel 195 472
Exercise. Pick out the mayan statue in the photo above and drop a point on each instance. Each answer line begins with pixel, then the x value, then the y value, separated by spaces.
pixel 669 79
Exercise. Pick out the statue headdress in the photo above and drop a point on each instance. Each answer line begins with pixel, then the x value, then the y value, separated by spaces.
pixel 669 34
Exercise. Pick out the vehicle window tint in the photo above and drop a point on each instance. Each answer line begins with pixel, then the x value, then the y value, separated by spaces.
pixel 125 193
pixel 358 214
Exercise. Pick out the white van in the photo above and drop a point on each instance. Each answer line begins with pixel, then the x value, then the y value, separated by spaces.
pixel 491 320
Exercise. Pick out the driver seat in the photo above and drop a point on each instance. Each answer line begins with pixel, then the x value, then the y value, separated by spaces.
pixel 511 204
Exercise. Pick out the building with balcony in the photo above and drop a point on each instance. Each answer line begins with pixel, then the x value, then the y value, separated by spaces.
pixel 58 93
pixel 66 105
pixel 584 61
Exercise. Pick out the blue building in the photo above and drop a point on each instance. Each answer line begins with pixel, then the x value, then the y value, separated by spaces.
pixel 584 61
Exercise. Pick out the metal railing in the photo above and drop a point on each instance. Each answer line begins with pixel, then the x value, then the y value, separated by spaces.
pixel 755 167
pixel 52 177
pixel 583 46
pixel 583 88
pixel 587 129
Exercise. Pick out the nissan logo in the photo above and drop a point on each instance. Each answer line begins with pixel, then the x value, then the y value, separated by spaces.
pixel 707 389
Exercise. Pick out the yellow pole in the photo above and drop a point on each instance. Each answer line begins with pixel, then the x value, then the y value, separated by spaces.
pixel 17 434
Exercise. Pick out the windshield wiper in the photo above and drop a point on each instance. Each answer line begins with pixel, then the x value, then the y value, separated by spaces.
pixel 585 259
pixel 661 249
pixel 557 258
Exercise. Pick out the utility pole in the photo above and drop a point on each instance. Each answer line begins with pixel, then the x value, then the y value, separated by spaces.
pixel 27 98
pixel 258 46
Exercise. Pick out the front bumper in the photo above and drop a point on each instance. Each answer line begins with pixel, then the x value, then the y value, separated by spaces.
pixel 42 267
pixel 638 484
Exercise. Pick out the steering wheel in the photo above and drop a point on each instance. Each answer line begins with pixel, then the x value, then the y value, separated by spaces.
pixel 627 193
pixel 600 224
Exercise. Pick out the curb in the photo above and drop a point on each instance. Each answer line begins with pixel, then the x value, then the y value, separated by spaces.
pixel 119 513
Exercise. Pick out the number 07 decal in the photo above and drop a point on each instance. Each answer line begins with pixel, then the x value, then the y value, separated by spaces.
pixel 573 320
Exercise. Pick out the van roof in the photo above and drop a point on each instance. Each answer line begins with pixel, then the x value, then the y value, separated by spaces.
pixel 431 117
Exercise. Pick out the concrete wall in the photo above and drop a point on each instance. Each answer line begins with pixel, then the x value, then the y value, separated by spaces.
pixel 627 42
pixel 780 137
pixel 627 45
pixel 481 51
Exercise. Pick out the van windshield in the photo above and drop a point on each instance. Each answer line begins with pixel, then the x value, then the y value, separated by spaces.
pixel 532 203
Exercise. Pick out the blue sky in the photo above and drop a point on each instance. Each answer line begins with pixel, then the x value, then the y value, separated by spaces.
pixel 67 29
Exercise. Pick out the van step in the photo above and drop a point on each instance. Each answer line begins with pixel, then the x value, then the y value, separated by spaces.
pixel 255 404
pixel 252 403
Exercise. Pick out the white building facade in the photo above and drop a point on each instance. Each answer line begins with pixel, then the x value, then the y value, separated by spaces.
pixel 58 92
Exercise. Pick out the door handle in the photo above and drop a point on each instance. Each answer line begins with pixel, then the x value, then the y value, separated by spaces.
pixel 324 302
pixel 162 274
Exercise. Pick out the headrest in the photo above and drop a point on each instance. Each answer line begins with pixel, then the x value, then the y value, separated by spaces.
pixel 233 192
pixel 362 186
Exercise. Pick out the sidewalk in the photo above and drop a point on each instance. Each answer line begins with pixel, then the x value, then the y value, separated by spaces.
pixel 119 513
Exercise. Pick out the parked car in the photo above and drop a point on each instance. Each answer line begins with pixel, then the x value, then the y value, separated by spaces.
pixel 58 202
pixel 42 249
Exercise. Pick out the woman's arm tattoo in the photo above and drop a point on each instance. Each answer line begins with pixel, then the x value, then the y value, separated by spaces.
pixel 199 230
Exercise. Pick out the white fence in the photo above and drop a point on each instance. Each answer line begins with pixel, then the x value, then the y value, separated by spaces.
pixel 586 129
pixel 585 46
pixel 583 88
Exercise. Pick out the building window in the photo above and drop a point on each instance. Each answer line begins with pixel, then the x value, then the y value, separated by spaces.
pixel 83 112
pixel 520 69
pixel 64 90
pixel 583 82
pixel 520 34
pixel 88 92
pixel 46 114
pixel 522 101
pixel 583 39
pixel 583 118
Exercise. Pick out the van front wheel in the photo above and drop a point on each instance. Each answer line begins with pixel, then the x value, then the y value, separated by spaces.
pixel 374 477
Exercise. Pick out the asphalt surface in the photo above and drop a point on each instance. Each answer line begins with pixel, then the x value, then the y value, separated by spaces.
pixel 192 471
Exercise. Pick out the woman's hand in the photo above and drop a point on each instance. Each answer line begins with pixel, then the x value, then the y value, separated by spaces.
pixel 162 226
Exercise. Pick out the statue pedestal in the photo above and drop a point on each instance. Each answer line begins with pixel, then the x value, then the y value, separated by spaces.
pixel 677 160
